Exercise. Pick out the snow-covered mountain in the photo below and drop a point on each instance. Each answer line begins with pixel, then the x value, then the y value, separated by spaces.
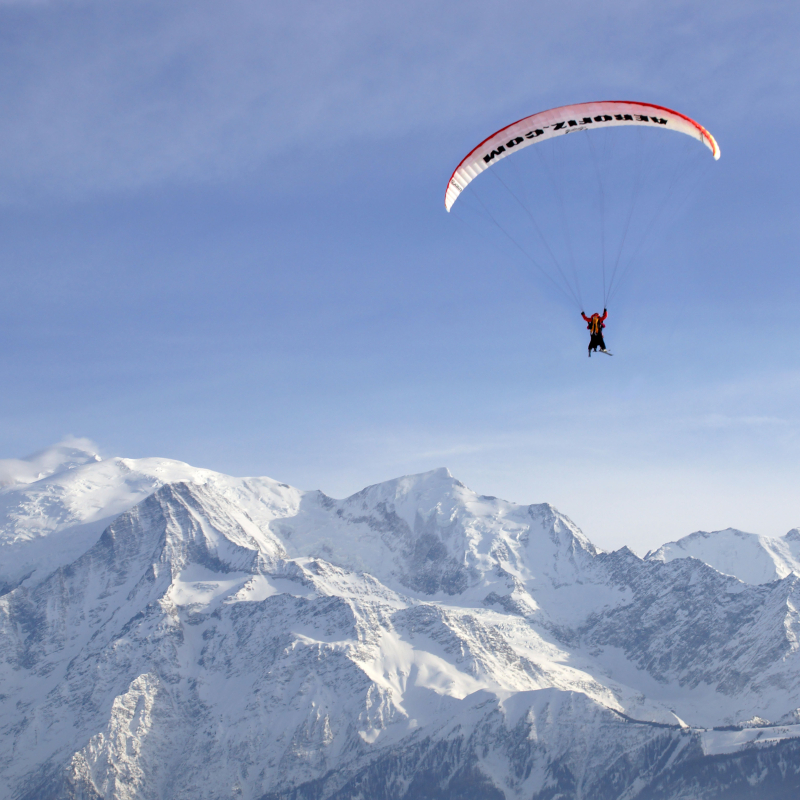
pixel 171 632
pixel 749 557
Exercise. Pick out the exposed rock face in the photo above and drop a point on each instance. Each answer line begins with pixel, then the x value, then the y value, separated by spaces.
pixel 218 637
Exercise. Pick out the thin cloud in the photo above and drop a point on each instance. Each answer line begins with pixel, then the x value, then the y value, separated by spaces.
pixel 110 96
pixel 740 420
pixel 69 452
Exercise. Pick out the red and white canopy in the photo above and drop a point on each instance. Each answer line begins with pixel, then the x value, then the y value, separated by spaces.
pixel 563 120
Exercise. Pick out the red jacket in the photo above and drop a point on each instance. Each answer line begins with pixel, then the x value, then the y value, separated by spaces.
pixel 596 324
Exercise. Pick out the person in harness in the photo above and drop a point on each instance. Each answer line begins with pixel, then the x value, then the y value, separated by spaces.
pixel 595 326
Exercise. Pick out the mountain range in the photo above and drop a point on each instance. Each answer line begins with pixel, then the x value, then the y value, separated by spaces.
pixel 169 632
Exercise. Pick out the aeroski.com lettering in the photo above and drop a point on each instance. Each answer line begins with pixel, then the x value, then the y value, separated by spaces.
pixel 572 123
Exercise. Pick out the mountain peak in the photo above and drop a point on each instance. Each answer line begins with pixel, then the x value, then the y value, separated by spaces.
pixel 67 454
pixel 434 480
pixel 414 625
pixel 749 557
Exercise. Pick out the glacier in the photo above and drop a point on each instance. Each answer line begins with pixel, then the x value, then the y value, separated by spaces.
pixel 172 632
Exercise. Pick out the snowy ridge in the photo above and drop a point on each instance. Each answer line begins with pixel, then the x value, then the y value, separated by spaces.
pixel 223 637
pixel 747 556
pixel 67 455
pixel 50 522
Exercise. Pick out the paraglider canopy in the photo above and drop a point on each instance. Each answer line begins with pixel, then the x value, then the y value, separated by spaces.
pixel 581 209
pixel 561 121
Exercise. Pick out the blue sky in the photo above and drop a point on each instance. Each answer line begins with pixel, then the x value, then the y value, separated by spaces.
pixel 224 241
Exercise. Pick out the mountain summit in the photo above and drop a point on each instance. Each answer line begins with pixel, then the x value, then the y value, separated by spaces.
pixel 66 455
pixel 172 632
pixel 751 558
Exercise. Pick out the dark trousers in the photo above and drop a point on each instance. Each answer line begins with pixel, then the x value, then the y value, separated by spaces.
pixel 597 341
